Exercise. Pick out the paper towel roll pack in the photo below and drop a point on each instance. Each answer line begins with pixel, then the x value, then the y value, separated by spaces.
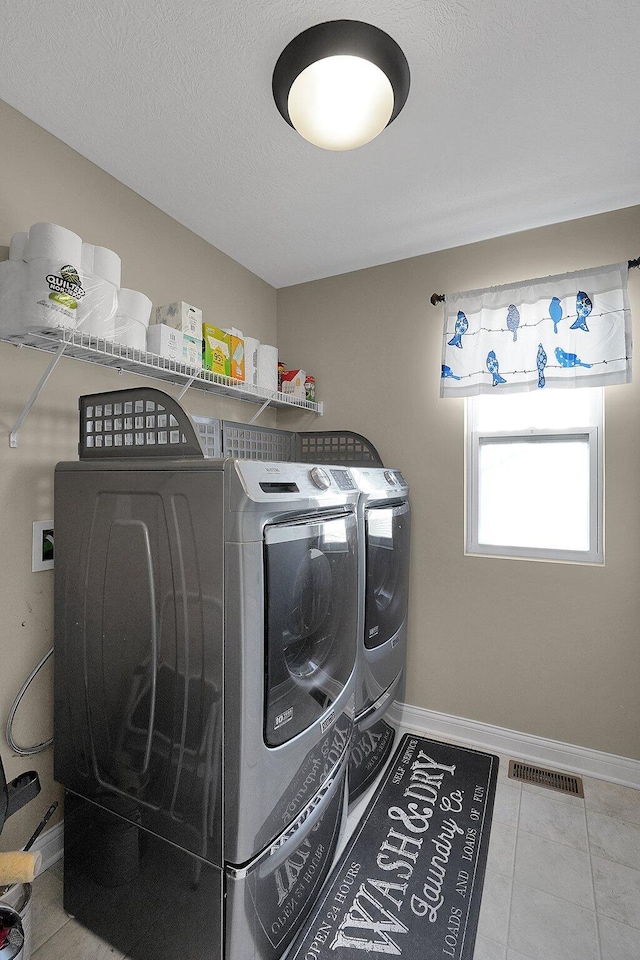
pixel 251 346
pixel 268 367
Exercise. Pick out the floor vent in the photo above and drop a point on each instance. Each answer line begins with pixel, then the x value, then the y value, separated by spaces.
pixel 563 782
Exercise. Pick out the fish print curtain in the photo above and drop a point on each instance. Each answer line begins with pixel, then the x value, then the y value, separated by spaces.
pixel 573 330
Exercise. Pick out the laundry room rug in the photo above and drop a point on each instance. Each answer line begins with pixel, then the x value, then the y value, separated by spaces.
pixel 409 881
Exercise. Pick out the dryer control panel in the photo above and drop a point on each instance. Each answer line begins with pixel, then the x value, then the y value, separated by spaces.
pixel 266 482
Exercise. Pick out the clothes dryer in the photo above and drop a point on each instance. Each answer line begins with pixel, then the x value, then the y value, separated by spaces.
pixel 205 637
pixel 384 516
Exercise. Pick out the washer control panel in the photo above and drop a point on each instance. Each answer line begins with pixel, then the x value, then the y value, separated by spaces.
pixel 267 481
pixel 343 479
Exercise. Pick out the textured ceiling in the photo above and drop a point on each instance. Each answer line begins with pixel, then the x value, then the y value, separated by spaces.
pixel 521 113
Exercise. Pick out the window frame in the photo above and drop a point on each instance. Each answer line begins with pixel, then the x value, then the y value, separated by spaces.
pixel 594 434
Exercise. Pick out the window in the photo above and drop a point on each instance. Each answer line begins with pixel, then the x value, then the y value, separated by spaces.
pixel 534 475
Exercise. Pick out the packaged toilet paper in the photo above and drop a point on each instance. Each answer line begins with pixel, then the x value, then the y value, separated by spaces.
pixel 54 292
pixel 132 319
pixel 55 286
pixel 129 332
pixel 17 246
pixel 97 312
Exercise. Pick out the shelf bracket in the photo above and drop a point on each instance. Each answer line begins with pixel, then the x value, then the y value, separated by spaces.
pixel 13 436
pixel 185 388
pixel 261 410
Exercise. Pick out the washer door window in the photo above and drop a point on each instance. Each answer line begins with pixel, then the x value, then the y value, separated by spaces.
pixel 311 620
pixel 387 537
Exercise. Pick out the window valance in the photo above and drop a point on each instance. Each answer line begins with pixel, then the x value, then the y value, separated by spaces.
pixel 569 330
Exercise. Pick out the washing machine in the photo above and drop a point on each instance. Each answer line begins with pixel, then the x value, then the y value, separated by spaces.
pixel 205 643
pixel 384 524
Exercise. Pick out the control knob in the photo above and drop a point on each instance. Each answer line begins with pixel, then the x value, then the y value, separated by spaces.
pixel 320 478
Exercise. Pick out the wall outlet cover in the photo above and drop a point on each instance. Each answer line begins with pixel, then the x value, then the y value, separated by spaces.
pixel 42 546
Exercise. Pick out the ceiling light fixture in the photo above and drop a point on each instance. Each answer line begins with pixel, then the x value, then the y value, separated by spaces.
pixel 339 84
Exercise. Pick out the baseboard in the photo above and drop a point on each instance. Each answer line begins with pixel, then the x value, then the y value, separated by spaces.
pixel 51 845
pixel 521 746
pixel 485 736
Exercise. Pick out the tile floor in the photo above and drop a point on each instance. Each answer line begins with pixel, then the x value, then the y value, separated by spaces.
pixel 562 881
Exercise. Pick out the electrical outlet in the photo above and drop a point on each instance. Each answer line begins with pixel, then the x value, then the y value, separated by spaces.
pixel 42 547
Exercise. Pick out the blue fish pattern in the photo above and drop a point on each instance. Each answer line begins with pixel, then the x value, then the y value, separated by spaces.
pixel 513 320
pixel 555 312
pixel 493 367
pixel 569 359
pixel 448 372
pixel 541 362
pixel 461 327
pixel 584 307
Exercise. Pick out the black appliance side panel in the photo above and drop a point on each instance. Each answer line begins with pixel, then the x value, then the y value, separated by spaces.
pixel 143 895
pixel 138 641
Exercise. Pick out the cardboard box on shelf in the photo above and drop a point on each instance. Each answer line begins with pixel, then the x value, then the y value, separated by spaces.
pixel 236 353
pixel 181 316
pixel 293 383
pixel 192 351
pixel 216 350
pixel 165 341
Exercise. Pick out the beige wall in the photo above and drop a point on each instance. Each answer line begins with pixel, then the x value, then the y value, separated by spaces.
pixel 544 648
pixel 549 649
pixel 42 179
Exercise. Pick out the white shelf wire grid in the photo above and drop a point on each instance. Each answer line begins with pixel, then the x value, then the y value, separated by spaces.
pixel 107 353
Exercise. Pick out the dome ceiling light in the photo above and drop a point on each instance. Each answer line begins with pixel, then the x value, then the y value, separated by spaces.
pixel 339 84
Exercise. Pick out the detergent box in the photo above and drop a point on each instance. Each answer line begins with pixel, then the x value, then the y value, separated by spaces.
pixel 236 353
pixel 216 350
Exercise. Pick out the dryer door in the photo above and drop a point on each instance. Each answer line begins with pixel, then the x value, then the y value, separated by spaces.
pixel 310 620
pixel 387 566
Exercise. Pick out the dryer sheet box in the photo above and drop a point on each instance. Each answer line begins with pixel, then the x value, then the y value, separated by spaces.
pixel 236 353
pixel 216 350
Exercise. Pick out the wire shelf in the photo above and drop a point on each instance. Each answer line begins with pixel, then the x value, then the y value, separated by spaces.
pixel 106 353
